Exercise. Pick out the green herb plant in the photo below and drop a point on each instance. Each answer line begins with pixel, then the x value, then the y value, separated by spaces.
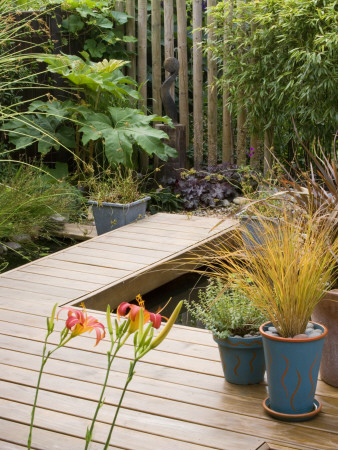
pixel 225 311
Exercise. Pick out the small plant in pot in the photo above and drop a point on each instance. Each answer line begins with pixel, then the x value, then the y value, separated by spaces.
pixel 286 278
pixel 234 323
pixel 116 198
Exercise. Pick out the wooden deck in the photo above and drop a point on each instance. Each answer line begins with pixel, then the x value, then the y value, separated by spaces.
pixel 116 266
pixel 178 398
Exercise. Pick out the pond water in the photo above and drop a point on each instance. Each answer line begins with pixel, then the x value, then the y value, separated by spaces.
pixel 34 250
pixel 185 287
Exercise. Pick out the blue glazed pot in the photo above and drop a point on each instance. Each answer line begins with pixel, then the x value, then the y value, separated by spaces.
pixel 292 367
pixel 242 359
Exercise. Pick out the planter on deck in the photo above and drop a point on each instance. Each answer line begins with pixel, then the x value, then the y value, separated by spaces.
pixel 242 359
pixel 109 216
pixel 326 312
pixel 292 367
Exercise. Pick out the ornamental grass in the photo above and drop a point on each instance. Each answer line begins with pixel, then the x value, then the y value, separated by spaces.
pixel 286 275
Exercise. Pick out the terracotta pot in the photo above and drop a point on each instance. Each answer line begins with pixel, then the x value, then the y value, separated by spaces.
pixel 327 314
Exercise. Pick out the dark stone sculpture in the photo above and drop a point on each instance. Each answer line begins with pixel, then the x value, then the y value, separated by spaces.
pixel 171 65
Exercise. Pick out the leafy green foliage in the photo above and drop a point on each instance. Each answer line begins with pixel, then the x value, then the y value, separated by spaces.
pixel 98 21
pixel 162 199
pixel 282 54
pixel 122 130
pixel 44 122
pixel 95 78
pixel 225 312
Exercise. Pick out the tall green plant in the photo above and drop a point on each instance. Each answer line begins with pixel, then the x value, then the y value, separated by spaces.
pixel 282 54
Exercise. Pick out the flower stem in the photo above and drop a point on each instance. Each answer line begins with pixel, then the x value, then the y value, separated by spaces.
pixel 100 402
pixel 44 360
pixel 129 378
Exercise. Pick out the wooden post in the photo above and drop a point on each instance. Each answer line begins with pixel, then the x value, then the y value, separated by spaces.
pixel 197 82
pixel 212 96
pixel 255 151
pixel 156 55
pixel 142 67
pixel 183 60
pixel 130 30
pixel 241 135
pixel 227 145
pixel 268 150
pixel 168 6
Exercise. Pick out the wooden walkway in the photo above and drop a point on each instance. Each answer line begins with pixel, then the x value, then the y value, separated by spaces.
pixel 178 398
pixel 116 266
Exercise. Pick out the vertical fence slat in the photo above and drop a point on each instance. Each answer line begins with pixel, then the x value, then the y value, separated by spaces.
pixel 169 35
pixel 268 150
pixel 156 55
pixel 255 159
pixel 142 65
pixel 130 30
pixel 241 135
pixel 227 144
pixel 197 82
pixel 212 96
pixel 183 60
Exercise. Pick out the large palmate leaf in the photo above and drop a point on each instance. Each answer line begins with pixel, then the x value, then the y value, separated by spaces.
pixel 102 76
pixel 122 131
pixel 44 122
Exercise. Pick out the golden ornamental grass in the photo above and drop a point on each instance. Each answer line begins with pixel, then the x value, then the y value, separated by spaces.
pixel 285 276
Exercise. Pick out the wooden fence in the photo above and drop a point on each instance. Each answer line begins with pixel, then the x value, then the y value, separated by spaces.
pixel 168 28
pixel 202 108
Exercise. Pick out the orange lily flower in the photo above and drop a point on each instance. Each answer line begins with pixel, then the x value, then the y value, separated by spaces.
pixel 132 312
pixel 79 322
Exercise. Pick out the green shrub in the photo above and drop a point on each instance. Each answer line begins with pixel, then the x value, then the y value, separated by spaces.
pixel 225 312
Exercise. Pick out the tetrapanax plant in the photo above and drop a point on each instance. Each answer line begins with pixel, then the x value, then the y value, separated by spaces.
pixel 136 318
pixel 78 322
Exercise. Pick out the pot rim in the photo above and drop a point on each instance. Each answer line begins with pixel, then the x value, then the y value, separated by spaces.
pixel 282 339
pixel 120 205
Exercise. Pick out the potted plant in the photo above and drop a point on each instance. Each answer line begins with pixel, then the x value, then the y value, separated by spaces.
pixel 234 323
pixel 116 199
pixel 316 193
pixel 286 278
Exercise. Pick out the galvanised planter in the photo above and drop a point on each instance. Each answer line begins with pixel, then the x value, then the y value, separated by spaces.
pixel 292 367
pixel 242 359
pixel 109 216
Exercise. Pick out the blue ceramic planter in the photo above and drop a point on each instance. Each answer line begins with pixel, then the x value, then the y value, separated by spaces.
pixel 109 216
pixel 242 359
pixel 292 370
